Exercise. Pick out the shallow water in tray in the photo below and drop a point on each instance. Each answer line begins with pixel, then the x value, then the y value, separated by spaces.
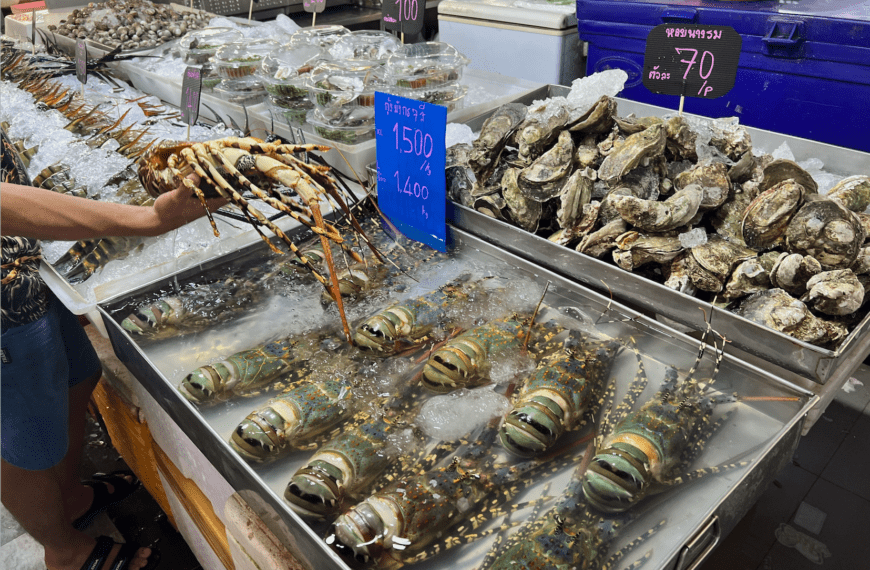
pixel 748 432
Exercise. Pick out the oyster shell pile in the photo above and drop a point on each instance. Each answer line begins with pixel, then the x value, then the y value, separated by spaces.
pixel 131 24
pixel 625 189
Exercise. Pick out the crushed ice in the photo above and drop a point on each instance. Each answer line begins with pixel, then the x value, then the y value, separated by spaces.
pixel 453 415
pixel 693 238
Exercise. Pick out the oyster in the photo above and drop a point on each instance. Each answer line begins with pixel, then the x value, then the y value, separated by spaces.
pixel 677 274
pixel 534 135
pixel 525 212
pixel 751 276
pixel 767 216
pixel 730 138
pixel 835 292
pixel 826 230
pixel 681 138
pixel 727 220
pixel 862 262
pixel 598 119
pixel 587 156
pixel 544 178
pixel 493 205
pixel 630 125
pixel 629 154
pixel 713 178
pixel 581 226
pixel 781 170
pixel 653 216
pixel 780 311
pixel 792 271
pixel 853 192
pixel 743 169
pixel 636 249
pixel 710 264
pixel 575 194
pixel 456 174
pixel 603 240
pixel 494 134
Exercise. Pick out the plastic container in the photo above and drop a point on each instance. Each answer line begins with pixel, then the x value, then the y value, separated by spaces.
pixel 343 92
pixel 365 45
pixel 345 132
pixel 245 91
pixel 198 47
pixel 426 66
pixel 319 36
pixel 804 66
pixel 240 59
pixel 284 72
pixel 450 96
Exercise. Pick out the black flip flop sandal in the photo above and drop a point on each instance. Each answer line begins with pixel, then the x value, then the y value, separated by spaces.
pixel 122 561
pixel 103 498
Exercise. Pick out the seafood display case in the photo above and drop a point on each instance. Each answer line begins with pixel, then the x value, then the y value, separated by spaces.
pixel 820 365
pixel 758 434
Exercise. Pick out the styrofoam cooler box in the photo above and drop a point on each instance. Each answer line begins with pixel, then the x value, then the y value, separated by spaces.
pixel 804 66
pixel 19 25
pixel 536 41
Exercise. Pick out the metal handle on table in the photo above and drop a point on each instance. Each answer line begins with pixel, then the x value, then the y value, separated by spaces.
pixel 700 546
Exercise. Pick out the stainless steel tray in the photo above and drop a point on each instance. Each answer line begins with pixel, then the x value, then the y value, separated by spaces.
pixel 765 433
pixel 818 364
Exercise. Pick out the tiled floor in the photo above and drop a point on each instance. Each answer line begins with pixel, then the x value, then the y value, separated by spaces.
pixel 822 498
pixel 824 494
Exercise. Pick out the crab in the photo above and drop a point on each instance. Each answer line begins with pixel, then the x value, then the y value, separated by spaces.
pixel 231 165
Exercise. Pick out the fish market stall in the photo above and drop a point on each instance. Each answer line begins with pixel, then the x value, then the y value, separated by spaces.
pixel 226 431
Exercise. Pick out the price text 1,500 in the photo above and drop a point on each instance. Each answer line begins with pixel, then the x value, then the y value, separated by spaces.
pixel 418 143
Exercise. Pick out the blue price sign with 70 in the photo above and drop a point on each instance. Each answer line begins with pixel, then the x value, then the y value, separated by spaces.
pixel 411 160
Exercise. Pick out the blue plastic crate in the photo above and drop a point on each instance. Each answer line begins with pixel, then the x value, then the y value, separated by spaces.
pixel 804 65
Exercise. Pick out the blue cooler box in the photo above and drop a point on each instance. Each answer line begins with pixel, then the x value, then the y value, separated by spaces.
pixel 804 66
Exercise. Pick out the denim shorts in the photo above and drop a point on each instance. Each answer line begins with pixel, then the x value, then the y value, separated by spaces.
pixel 41 361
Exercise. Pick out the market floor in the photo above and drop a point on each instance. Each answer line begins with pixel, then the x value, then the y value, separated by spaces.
pixel 816 507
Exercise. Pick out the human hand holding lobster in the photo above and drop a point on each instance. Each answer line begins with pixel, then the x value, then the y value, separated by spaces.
pixel 180 206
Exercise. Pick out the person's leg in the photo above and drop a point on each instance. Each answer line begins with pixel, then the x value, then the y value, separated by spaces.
pixel 34 499
pixel 77 497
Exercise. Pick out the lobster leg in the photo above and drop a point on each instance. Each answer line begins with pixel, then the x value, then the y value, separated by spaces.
pixel 619 554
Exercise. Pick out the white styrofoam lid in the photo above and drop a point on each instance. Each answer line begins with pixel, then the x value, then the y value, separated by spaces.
pixel 522 12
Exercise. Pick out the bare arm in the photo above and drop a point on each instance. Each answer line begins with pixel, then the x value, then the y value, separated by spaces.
pixel 43 214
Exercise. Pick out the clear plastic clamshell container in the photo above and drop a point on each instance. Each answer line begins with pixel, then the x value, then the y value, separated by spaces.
pixel 284 72
pixel 343 92
pixel 244 91
pixel 319 36
pixel 240 59
pixel 450 96
pixel 350 133
pixel 198 47
pixel 425 66
pixel 365 45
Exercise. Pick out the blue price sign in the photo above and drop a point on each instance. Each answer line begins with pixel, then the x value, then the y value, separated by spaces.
pixel 411 160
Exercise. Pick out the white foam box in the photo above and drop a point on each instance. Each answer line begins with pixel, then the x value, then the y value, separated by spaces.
pixel 519 39
pixel 19 25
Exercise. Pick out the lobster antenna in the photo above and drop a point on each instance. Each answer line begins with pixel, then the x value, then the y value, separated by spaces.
pixel 535 314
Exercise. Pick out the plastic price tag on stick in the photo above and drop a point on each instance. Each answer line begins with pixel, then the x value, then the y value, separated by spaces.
pixel 691 60
pixel 315 6
pixel 82 62
pixel 411 156
pixel 191 87
pixel 405 16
